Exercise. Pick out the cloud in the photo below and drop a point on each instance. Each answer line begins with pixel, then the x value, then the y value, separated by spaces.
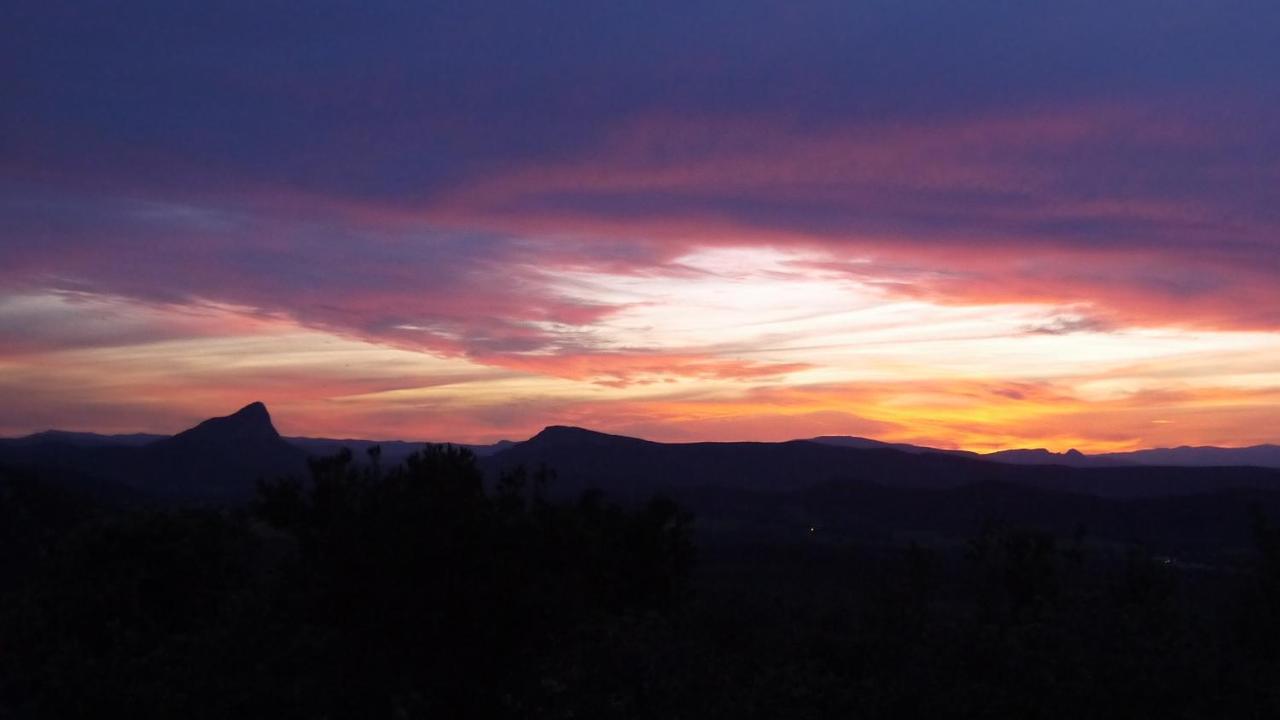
pixel 1076 204
pixel 379 180
pixel 578 211
pixel 619 369
pixel 1069 325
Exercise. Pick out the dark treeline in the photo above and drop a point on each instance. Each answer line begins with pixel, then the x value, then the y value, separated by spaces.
pixel 415 591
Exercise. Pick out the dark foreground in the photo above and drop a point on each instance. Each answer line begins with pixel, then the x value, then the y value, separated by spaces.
pixel 414 592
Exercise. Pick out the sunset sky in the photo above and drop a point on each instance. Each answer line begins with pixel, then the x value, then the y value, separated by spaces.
pixel 966 224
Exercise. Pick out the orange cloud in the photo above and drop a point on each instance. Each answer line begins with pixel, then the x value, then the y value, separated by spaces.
pixel 619 369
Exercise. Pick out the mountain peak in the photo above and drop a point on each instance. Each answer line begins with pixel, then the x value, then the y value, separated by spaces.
pixel 565 428
pixel 254 411
pixel 564 431
pixel 251 423
pixel 569 434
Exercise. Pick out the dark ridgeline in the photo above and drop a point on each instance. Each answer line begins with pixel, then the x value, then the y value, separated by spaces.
pixel 219 460
pixel 627 467
pixel 777 491
pixel 222 573
pixel 1184 456
pixel 215 456
pixel 216 461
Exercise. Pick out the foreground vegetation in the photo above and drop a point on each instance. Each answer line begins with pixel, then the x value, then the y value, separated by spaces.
pixel 413 592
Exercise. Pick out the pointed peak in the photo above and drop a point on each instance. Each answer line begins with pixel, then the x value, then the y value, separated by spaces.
pixel 1074 453
pixel 255 410
pixel 250 423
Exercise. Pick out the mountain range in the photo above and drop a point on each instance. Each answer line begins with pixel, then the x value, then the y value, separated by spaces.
pixel 395 451
pixel 841 487
pixel 1186 456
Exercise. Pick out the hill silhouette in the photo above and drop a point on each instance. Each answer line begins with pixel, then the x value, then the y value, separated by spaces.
pixel 250 425
pixel 1187 456
pixel 1041 456
pixel 1182 456
pixel 218 460
pixel 221 457
pixel 801 490
pixel 853 489
pixel 85 439
pixel 630 468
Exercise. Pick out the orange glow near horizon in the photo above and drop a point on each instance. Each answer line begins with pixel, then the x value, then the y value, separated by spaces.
pixel 740 345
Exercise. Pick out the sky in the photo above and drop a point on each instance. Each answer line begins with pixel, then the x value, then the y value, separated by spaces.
pixel 979 225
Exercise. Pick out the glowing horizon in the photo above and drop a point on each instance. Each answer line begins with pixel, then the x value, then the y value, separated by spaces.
pixel 729 365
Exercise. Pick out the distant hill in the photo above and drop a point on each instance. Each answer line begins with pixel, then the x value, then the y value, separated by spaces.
pixel 1256 456
pixel 631 469
pixel 219 460
pixel 1070 458
pixel 834 492
pixel 1267 456
pixel 221 457
pixel 250 429
pixel 393 451
pixel 85 439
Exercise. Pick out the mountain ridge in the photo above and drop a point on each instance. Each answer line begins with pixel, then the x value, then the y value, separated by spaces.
pixel 842 487
pixel 631 468
pixel 1261 455
pixel 1264 455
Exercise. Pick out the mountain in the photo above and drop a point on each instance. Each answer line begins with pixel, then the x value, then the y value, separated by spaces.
pixel 85 439
pixel 1040 456
pixel 1267 456
pixel 221 457
pixel 250 426
pixel 1037 456
pixel 218 460
pixel 1256 456
pixel 630 469
pixel 804 491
